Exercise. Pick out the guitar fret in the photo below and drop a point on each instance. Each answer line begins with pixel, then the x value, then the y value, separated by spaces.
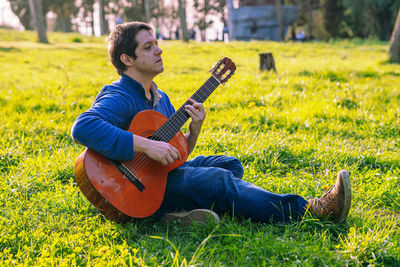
pixel 179 118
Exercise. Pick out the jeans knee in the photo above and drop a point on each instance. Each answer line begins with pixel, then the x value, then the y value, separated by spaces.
pixel 236 167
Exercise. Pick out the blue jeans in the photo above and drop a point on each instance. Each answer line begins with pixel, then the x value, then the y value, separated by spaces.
pixel 215 182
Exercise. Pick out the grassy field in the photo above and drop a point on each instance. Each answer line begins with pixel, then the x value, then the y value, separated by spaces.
pixel 330 106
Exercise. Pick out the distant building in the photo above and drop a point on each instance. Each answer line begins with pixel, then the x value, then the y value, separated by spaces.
pixel 257 19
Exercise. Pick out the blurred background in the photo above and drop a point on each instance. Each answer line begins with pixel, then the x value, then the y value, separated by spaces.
pixel 214 20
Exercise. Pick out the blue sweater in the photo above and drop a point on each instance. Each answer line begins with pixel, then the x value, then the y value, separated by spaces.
pixel 104 126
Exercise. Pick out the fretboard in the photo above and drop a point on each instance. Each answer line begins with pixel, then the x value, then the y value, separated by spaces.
pixel 179 118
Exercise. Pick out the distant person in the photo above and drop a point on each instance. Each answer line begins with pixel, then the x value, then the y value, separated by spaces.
pixel 158 34
pixel 301 36
pixel 225 33
pixel 119 20
pixel 193 34
pixel 177 34
pixel 293 32
pixel 202 184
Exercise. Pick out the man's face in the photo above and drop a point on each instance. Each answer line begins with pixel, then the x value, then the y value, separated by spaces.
pixel 148 54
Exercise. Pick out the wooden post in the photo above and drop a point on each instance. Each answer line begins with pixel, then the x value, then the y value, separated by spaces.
pixel 267 61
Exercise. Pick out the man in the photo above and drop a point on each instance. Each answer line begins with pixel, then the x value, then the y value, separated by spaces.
pixel 199 185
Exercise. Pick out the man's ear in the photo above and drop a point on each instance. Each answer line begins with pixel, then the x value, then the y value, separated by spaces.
pixel 127 60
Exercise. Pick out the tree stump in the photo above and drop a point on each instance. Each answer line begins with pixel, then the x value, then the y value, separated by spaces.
pixel 267 61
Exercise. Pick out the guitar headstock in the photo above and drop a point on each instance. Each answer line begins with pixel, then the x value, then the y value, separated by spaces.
pixel 223 70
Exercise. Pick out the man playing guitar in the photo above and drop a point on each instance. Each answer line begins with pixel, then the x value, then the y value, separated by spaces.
pixel 199 185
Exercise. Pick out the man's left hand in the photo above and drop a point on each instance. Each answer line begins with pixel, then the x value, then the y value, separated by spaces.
pixel 198 114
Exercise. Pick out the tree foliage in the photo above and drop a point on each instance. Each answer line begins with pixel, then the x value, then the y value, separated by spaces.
pixel 203 8
pixel 332 11
pixel 65 10
pixel 365 18
pixel 341 18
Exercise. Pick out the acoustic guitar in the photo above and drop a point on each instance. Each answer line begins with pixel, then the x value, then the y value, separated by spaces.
pixel 135 189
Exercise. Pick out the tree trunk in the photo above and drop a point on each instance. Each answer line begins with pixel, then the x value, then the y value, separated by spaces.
pixel 35 7
pixel 182 16
pixel 310 20
pixel 63 24
pixel 92 21
pixel 278 7
pixel 229 5
pixel 101 17
pixel 147 10
pixel 394 49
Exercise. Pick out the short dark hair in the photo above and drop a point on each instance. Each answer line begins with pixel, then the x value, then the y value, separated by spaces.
pixel 122 40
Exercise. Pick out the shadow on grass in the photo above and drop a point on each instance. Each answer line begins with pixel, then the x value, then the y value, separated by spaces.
pixel 329 75
pixel 281 160
pixel 64 175
pixel 8 160
pixel 9 49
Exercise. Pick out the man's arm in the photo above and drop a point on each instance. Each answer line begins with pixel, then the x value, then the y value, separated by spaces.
pixel 198 114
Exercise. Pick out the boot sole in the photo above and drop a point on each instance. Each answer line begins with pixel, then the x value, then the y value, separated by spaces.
pixel 344 175
pixel 194 216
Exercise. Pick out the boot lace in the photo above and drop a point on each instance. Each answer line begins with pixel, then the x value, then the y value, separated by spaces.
pixel 327 198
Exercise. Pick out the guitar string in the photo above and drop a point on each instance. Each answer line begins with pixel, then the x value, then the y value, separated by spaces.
pixel 142 159
pixel 183 116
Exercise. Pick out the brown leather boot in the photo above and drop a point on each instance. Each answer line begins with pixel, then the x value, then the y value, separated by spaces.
pixel 335 203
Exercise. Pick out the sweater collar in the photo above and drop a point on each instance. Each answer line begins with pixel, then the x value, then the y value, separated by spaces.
pixel 125 79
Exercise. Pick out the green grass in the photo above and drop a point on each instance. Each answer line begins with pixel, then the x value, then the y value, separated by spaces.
pixel 330 106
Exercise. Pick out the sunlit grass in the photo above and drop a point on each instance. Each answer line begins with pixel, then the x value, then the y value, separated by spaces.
pixel 330 106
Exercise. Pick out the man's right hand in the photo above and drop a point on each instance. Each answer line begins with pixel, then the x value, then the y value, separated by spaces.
pixel 156 150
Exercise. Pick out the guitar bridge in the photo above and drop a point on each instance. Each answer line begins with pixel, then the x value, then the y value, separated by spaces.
pixel 128 174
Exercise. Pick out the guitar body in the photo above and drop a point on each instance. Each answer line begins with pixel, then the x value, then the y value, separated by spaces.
pixel 109 190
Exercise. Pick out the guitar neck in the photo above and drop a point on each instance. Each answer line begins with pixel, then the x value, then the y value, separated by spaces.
pixel 179 118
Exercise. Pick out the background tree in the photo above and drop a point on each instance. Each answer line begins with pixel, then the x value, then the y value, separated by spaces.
pixel 102 17
pixel 134 11
pixel 366 18
pixel 168 16
pixel 87 9
pixel 383 13
pixel 182 17
pixel 355 21
pixel 332 11
pixel 394 49
pixel 146 4
pixel 306 15
pixel 279 15
pixel 65 10
pixel 203 8
pixel 21 9
pixel 35 7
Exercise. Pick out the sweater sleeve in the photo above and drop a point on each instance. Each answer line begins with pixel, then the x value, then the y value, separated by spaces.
pixel 101 128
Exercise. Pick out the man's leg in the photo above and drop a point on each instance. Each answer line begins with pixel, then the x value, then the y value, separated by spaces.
pixel 228 163
pixel 216 188
pixel 190 187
